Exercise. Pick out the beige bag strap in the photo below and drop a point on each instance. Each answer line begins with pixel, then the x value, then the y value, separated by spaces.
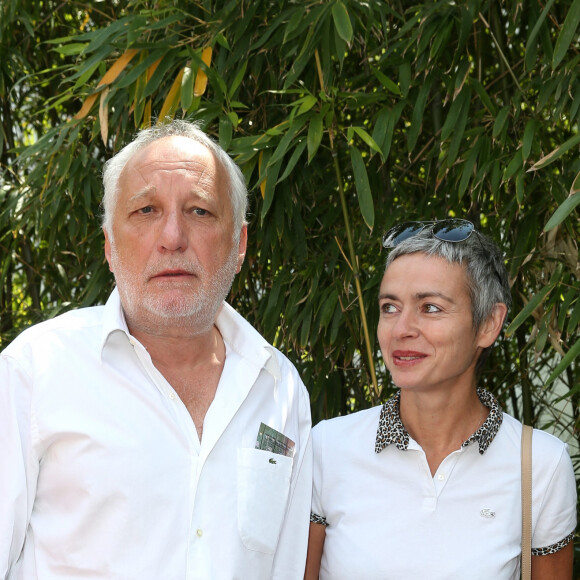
pixel 527 502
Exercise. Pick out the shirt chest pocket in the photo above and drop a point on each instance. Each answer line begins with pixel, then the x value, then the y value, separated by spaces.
pixel 263 487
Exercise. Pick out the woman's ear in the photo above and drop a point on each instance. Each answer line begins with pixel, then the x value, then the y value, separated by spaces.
pixel 490 329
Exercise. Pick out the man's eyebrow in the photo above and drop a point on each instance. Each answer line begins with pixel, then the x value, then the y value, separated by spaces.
pixel 151 190
pixel 145 192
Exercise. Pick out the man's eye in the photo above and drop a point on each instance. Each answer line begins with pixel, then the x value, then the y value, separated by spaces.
pixel 200 211
pixel 146 209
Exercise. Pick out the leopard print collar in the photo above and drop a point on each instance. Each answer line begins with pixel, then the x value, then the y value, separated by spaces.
pixel 392 430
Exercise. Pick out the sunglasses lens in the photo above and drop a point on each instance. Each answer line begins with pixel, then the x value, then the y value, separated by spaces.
pixel 453 230
pixel 400 233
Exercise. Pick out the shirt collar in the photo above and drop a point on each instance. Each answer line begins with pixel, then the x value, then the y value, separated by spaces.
pixel 113 318
pixel 239 334
pixel 392 430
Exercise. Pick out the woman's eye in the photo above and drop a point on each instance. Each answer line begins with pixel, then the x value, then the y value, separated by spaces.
pixel 432 308
pixel 387 308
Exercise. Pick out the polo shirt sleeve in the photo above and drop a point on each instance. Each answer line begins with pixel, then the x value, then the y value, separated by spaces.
pixel 317 511
pixel 556 504
pixel 18 467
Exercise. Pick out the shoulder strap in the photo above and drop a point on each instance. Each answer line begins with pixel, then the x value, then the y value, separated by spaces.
pixel 527 502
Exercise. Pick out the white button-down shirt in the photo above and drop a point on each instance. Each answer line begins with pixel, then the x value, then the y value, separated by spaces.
pixel 102 473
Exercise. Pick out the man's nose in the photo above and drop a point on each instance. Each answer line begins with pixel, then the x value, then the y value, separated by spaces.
pixel 173 235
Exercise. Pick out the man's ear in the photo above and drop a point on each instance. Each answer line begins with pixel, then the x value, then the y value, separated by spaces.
pixel 490 329
pixel 242 247
pixel 108 249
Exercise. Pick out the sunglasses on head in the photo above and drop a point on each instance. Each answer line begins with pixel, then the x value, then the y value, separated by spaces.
pixel 450 230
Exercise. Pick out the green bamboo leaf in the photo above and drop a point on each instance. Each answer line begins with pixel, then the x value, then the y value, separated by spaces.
pixel 567 33
pixel 459 129
pixel 327 309
pixel 271 180
pixel 520 187
pixel 306 324
pixel 315 131
pixel 367 139
pixel 556 154
pixel 531 43
pixel 528 309
pixel 295 21
pixel 528 140
pixel 566 361
pixel 541 337
pixel 567 299
pixel 385 127
pixel 187 88
pixel 455 111
pixel 500 121
pixel 363 188
pixel 386 82
pixel 405 78
pixel 513 166
pixel 575 185
pixel 417 117
pixel 306 103
pixel 563 211
pixel 305 56
pixel 70 49
pixel 485 99
pixel 467 172
pixel 237 80
pixel 225 132
pixel 293 160
pixel 342 21
pixel 286 141
pixel 574 317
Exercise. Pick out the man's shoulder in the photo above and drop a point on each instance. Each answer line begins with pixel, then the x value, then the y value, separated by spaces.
pixel 72 324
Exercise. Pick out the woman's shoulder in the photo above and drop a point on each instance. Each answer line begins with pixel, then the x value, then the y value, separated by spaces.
pixel 543 443
pixel 351 420
pixel 353 426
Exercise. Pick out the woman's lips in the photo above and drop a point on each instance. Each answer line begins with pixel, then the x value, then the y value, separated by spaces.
pixel 407 357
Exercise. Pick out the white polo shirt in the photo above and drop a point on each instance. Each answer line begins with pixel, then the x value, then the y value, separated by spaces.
pixel 388 518
pixel 102 473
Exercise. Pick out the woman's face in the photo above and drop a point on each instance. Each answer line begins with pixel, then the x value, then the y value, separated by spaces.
pixel 425 327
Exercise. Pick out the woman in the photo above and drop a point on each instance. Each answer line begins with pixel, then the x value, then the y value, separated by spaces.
pixel 427 486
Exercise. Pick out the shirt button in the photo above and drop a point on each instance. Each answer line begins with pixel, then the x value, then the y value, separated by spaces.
pixel 172 396
pixel 199 532
pixel 441 477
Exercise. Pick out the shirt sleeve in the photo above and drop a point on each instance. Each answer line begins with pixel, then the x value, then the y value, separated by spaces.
pixel 317 512
pixel 18 467
pixel 556 516
pixel 290 558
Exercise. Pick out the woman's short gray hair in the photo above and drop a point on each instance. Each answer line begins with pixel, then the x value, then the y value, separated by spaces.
pixel 487 277
pixel 114 167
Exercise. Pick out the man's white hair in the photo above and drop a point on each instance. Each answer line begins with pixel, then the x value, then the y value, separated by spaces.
pixel 114 167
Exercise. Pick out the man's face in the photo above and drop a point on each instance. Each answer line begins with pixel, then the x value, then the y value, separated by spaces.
pixel 172 248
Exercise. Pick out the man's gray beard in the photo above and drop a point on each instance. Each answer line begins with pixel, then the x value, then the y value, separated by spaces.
pixel 197 312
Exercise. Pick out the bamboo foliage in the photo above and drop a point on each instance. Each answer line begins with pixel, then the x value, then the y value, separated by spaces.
pixel 345 118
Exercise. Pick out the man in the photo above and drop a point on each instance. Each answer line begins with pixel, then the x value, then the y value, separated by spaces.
pixel 128 432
